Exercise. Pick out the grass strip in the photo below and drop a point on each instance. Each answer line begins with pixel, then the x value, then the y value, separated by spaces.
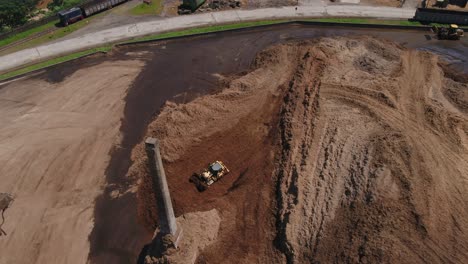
pixel 54 61
pixel 54 35
pixel 365 21
pixel 154 8
pixel 26 33
pixel 208 29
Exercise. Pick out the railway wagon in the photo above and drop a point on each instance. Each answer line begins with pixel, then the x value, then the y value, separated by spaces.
pixel 94 7
pixel 70 16
pixel 87 9
pixel 442 16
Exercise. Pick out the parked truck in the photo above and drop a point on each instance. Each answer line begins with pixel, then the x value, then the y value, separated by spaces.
pixel 87 9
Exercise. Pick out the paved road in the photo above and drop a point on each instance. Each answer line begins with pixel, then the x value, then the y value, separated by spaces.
pixel 176 23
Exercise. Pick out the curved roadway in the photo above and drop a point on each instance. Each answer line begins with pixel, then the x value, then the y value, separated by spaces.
pixel 45 51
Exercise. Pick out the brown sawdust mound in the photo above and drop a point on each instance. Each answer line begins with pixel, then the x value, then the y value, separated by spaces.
pixel 341 150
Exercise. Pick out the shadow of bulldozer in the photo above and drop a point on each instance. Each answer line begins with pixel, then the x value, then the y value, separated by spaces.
pixel 5 202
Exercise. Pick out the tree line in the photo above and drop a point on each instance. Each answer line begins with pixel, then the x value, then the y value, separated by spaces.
pixel 14 13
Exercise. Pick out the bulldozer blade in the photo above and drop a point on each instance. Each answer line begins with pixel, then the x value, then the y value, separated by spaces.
pixel 198 183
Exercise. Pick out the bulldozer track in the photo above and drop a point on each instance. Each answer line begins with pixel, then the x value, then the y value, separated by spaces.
pixel 27 39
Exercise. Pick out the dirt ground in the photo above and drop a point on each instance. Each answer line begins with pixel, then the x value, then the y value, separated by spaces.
pixel 379 172
pixel 72 109
pixel 244 197
pixel 341 150
pixel 56 136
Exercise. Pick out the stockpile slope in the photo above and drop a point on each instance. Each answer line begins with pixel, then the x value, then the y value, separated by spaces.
pixel 341 150
pixel 235 125
pixel 373 161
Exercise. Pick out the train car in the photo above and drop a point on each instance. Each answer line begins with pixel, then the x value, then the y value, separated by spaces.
pixel 87 9
pixel 441 16
pixel 70 16
pixel 94 7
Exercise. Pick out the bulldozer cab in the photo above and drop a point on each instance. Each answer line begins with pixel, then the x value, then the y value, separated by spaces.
pixel 209 175
pixel 215 168
pixel 454 29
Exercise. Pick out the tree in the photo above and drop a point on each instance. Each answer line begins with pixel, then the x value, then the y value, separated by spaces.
pixel 57 5
pixel 54 4
pixel 12 14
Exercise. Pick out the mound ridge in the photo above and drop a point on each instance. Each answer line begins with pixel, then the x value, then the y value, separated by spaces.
pixel 342 150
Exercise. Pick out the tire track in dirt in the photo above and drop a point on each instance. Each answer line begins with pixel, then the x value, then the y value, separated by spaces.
pixel 375 134
pixel 361 158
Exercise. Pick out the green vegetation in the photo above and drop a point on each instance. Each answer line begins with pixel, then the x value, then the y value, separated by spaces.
pixel 54 61
pixel 61 32
pixel 208 29
pixel 366 21
pixel 15 12
pixel 57 5
pixel 154 8
pixel 27 33
pixel 54 35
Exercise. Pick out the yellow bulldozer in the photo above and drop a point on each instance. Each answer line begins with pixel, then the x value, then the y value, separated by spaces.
pixel 210 175
pixel 452 32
